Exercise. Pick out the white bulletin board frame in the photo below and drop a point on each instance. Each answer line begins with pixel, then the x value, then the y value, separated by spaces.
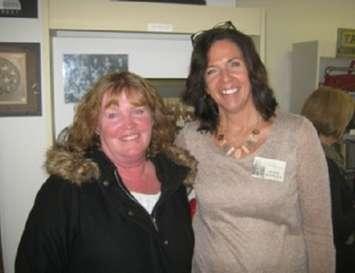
pixel 151 55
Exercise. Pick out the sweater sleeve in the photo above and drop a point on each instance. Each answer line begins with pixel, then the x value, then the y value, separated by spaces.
pixel 315 204
pixel 45 242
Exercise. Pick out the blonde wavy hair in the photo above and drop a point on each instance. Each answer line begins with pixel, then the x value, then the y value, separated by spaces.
pixel 82 134
pixel 330 110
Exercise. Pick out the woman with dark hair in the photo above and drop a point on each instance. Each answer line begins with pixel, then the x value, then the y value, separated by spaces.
pixel 115 200
pixel 262 189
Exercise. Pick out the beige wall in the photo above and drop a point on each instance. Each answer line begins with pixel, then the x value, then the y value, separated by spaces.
pixel 123 16
pixel 289 21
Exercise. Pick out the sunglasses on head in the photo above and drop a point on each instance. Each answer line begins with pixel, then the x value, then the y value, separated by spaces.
pixel 223 25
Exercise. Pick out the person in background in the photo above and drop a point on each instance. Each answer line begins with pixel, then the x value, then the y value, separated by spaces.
pixel 334 151
pixel 330 110
pixel 115 199
pixel 262 188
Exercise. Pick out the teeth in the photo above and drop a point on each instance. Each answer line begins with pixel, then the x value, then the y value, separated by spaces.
pixel 130 137
pixel 229 91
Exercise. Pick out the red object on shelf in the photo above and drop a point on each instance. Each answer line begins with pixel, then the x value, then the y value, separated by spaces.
pixel 345 81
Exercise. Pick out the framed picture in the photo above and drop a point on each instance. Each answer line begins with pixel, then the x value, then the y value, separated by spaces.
pixel 82 70
pixel 20 79
pixel 19 8
pixel 170 89
pixel 193 2
pixel 345 42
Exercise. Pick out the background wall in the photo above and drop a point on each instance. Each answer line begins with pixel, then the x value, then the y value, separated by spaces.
pixel 23 140
pixel 290 22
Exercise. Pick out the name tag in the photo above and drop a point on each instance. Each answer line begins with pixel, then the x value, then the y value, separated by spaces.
pixel 270 169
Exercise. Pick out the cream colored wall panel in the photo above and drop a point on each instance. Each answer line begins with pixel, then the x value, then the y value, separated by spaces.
pixel 125 16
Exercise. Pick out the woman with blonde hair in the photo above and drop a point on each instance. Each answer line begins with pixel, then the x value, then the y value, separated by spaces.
pixel 331 110
pixel 115 200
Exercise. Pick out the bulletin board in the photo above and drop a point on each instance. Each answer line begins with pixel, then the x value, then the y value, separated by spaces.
pixel 151 55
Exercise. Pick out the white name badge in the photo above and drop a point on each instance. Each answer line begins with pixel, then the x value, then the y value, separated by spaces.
pixel 270 169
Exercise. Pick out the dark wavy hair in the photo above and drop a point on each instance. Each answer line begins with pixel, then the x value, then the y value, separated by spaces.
pixel 206 110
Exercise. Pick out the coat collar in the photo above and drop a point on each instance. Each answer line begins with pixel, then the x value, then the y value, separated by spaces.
pixel 169 173
pixel 79 168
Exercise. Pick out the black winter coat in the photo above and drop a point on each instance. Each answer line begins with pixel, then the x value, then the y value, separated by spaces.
pixel 99 227
pixel 343 214
pixel 343 211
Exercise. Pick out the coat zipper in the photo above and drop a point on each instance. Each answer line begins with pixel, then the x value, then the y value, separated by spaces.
pixel 151 217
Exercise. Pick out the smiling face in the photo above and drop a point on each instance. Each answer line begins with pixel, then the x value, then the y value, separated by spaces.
pixel 227 78
pixel 125 128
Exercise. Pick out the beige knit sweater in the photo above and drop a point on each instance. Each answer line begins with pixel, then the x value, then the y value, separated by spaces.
pixel 247 224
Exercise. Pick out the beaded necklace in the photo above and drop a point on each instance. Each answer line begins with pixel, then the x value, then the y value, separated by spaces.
pixel 241 150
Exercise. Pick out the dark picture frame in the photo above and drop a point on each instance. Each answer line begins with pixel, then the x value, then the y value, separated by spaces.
pixel 20 79
pixel 170 89
pixel 26 9
pixel 190 2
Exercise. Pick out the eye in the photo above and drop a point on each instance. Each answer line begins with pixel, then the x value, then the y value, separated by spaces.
pixel 211 71
pixel 234 64
pixel 111 115
pixel 139 111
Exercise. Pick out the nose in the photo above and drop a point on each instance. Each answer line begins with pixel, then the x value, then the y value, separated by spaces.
pixel 225 74
pixel 129 122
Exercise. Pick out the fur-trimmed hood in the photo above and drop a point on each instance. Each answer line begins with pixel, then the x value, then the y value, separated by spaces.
pixel 79 168
pixel 72 166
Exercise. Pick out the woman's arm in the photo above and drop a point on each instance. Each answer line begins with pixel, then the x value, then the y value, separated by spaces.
pixel 315 204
